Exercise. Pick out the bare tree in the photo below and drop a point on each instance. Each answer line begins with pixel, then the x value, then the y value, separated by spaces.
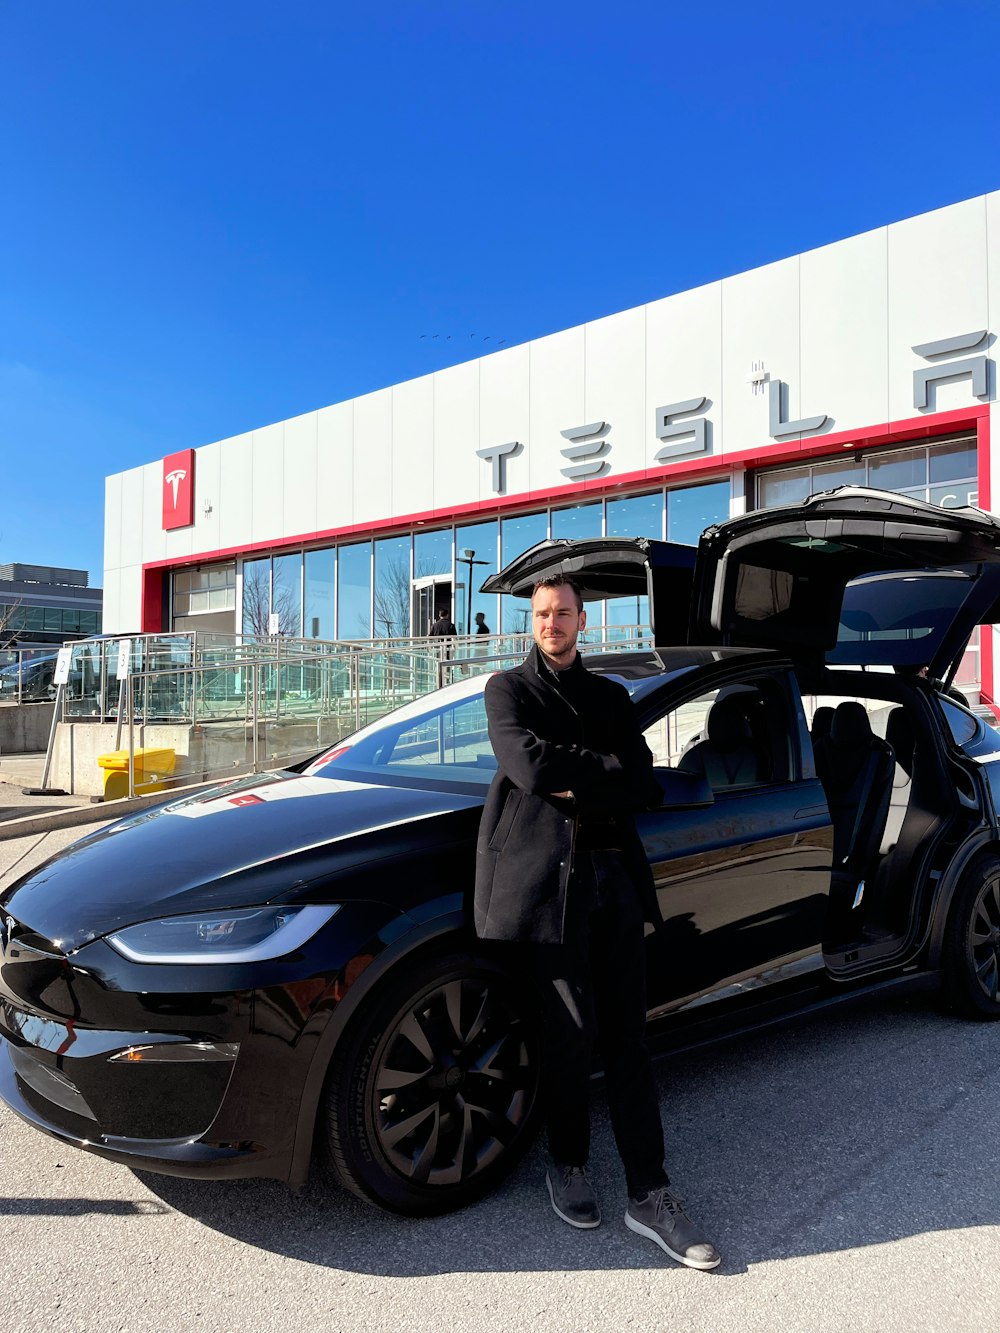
pixel 258 602
pixel 9 624
pixel 392 600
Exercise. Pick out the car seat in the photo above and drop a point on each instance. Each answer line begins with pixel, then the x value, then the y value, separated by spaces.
pixel 855 767
pixel 899 734
pixel 727 757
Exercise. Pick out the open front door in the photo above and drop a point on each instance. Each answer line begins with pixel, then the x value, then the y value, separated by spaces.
pixel 613 567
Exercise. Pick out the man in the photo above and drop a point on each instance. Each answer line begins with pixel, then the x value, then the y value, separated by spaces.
pixel 442 627
pixel 561 869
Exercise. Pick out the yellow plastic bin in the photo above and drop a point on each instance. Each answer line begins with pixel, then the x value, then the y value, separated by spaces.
pixel 151 765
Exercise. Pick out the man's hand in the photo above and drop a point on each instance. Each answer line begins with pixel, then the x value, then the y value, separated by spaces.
pixel 564 795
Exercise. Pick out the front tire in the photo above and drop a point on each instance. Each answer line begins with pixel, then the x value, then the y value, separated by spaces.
pixel 431 1098
pixel 971 954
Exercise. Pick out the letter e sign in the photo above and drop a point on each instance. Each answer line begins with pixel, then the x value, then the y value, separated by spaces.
pixel 178 490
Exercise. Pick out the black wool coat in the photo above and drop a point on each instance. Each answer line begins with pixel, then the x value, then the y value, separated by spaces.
pixel 543 744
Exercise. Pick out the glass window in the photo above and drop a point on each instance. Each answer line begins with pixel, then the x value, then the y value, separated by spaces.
pixel 691 509
pixel 950 462
pixel 392 588
pixel 625 611
pixel 286 593
pixel 829 475
pixel 899 471
pixel 481 540
pixel 521 533
pixel 578 521
pixel 256 596
pixel 636 516
pixel 783 488
pixel 432 553
pixel 354 591
pixel 954 495
pixel 518 535
pixel 318 607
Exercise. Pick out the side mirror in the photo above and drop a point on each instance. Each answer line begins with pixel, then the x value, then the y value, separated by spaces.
pixel 680 790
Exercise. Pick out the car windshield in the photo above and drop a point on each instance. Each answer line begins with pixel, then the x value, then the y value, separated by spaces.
pixel 439 738
pixel 442 738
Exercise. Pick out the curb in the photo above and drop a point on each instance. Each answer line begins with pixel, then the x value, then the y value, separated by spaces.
pixel 92 814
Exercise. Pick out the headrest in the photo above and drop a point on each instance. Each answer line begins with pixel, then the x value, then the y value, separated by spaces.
pixel 727 724
pixel 822 718
pixel 850 727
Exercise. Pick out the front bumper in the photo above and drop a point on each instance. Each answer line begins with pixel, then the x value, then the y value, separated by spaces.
pixel 177 1156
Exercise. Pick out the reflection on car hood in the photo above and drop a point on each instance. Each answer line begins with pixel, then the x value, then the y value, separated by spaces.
pixel 236 845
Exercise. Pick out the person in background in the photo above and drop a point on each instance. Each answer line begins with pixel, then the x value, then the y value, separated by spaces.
pixel 443 627
pixel 481 647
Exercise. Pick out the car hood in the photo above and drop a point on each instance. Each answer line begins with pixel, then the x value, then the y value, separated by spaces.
pixel 237 845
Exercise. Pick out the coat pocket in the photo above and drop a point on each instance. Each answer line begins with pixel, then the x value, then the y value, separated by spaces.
pixel 506 821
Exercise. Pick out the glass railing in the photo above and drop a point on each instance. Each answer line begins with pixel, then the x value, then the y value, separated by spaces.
pixel 26 675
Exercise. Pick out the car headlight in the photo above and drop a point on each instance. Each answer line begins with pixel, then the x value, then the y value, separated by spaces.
pixel 245 935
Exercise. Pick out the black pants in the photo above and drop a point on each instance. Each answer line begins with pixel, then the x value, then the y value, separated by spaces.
pixel 593 989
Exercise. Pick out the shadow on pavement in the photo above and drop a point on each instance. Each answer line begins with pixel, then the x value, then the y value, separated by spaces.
pixel 846 1132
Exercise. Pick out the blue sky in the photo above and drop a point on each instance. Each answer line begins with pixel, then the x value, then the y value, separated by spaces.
pixel 219 215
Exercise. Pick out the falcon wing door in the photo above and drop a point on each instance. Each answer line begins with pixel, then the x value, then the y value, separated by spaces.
pixel 854 576
pixel 613 567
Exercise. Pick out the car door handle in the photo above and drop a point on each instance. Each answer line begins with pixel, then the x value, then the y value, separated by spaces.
pixel 813 812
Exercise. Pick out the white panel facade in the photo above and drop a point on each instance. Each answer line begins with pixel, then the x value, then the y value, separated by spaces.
pixel 268 478
pixel 993 310
pixel 132 545
pixel 684 362
pixel 413 447
pixel 556 404
pixel 113 616
pixel 760 323
pixel 373 456
pixel 504 386
pixel 614 383
pixel 335 467
pixel 457 469
pixel 298 485
pixel 129 619
pixel 235 492
pixel 937 289
pixel 844 334
pixel 208 497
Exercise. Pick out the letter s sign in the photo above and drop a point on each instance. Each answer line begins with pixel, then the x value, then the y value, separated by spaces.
pixel 178 490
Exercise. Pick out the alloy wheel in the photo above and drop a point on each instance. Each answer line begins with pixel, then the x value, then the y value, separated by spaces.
pixel 454 1082
pixel 984 939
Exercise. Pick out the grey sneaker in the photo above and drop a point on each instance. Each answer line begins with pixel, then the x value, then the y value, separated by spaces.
pixel 660 1216
pixel 572 1195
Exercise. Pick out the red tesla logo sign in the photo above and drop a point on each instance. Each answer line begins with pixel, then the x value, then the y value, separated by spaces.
pixel 178 490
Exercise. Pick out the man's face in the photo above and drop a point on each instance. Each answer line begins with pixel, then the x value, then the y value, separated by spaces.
pixel 556 623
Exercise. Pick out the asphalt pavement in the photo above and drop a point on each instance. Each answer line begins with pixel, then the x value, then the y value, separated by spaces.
pixel 846 1168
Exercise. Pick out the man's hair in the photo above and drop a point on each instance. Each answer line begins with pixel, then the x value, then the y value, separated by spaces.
pixel 561 581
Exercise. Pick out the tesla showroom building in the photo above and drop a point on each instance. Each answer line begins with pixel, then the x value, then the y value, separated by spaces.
pixel 867 361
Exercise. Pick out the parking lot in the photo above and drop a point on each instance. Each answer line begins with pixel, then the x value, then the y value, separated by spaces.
pixel 846 1168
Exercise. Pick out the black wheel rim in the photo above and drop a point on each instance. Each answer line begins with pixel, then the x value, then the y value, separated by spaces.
pixel 984 940
pixel 454 1082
